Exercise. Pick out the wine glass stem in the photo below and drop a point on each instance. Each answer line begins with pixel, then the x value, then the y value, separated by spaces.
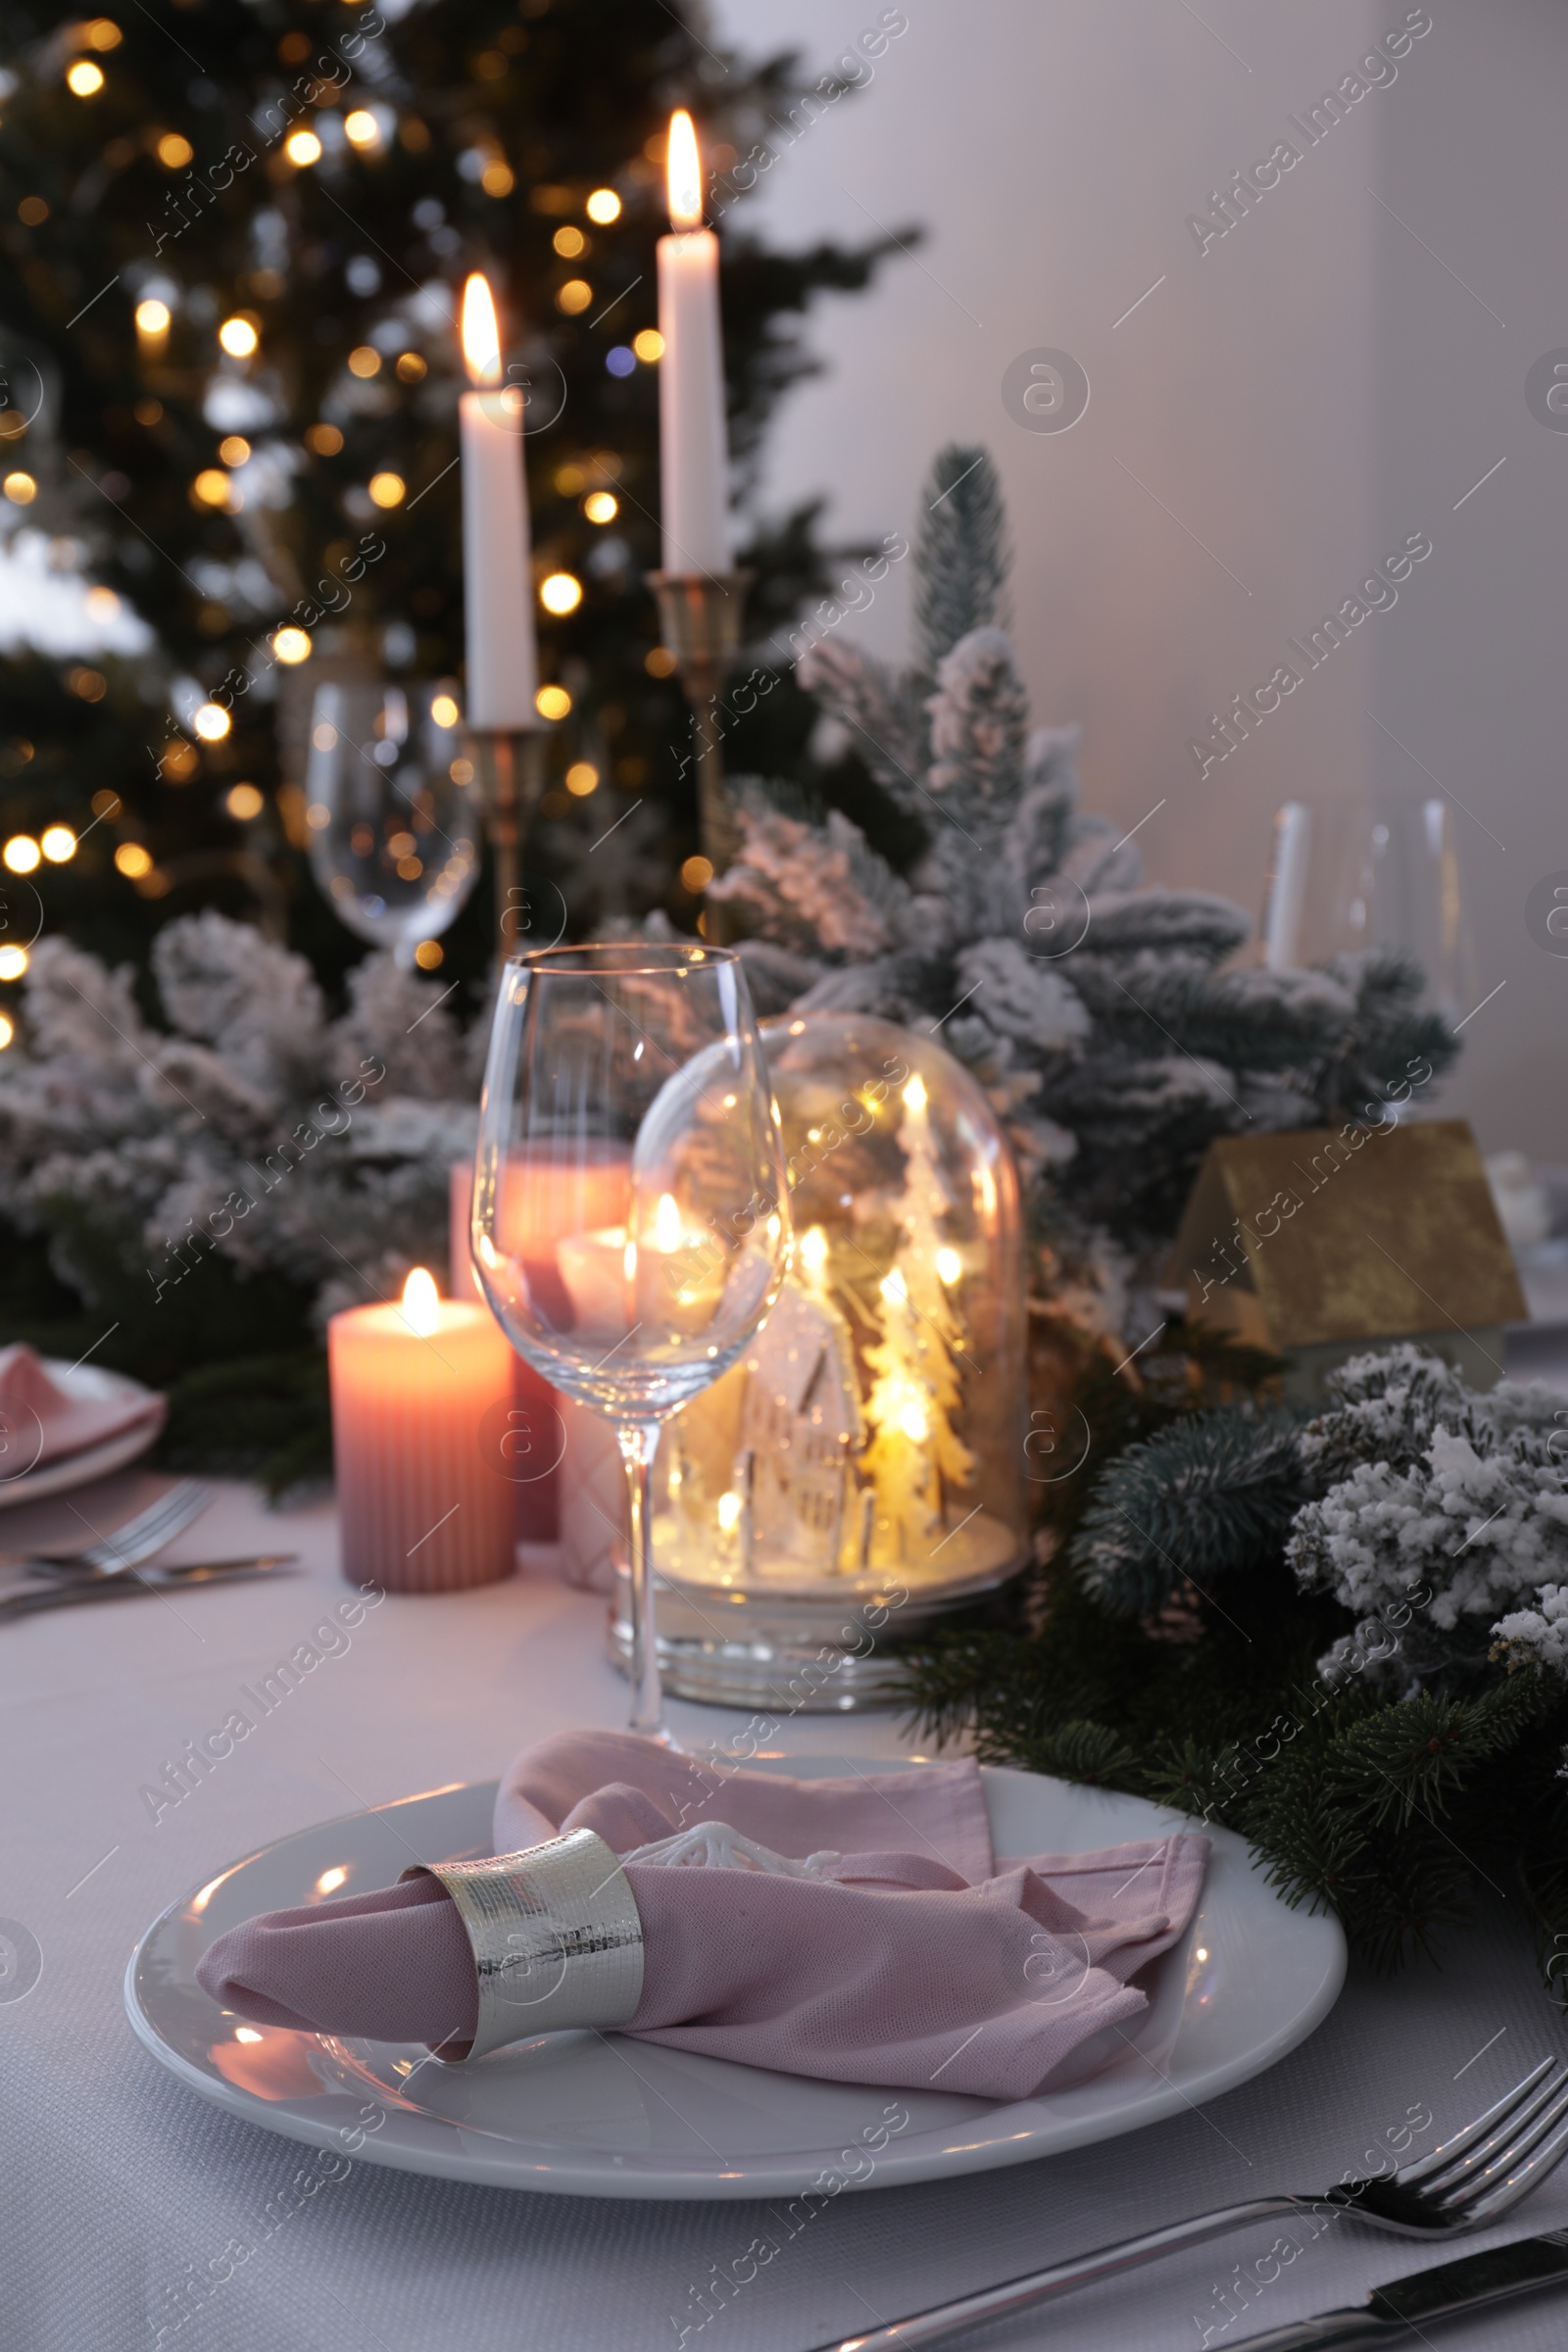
pixel 638 1445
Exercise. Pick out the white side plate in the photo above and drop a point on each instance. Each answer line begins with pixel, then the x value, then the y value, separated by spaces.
pixel 604 2115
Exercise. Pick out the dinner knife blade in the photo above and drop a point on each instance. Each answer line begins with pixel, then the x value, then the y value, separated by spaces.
pixel 72 1593
pixel 1453 2288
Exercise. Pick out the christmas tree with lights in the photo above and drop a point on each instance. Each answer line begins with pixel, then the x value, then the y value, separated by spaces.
pixel 231 239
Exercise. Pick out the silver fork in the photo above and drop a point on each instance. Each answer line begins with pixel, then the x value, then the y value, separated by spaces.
pixel 1467 2183
pixel 131 1544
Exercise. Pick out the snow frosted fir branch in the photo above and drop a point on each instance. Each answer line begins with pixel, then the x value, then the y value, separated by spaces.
pixel 1415 1501
pixel 252 1125
pixel 1459 1495
pixel 1104 1018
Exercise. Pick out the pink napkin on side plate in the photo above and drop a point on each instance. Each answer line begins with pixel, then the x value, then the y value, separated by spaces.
pixel 915 1959
pixel 32 1402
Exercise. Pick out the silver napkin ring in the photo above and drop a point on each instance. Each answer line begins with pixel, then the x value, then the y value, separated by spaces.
pixel 556 1936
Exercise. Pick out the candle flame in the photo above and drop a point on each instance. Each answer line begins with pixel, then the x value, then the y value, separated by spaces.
pixel 481 334
pixel 915 1096
pixel 894 1289
pixel 421 1305
pixel 684 170
pixel 949 1266
pixel 666 1223
pixel 730 1508
pixel 813 1252
pixel 628 1261
pixel 912 1422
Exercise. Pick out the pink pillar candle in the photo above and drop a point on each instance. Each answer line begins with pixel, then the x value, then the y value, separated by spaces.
pixel 422 1506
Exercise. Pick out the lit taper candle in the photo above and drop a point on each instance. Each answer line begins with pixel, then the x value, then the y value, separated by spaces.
pixel 503 660
pixel 693 460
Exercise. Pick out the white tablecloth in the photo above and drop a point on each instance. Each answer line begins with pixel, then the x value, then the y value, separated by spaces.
pixel 120 2182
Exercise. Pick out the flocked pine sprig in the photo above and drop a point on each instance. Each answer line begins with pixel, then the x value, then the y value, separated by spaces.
pixel 1213 1494
pixel 252 1129
pixel 1111 1024
pixel 961 563
pixel 1537 1636
pixel 1465 1536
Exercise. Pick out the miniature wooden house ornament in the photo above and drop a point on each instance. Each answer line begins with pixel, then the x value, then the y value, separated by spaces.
pixel 1320 1243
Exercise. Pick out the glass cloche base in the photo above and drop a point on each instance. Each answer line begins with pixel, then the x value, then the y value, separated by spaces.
pixel 831 1649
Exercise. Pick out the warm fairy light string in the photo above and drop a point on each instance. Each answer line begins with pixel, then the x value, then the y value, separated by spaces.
pixel 908 1457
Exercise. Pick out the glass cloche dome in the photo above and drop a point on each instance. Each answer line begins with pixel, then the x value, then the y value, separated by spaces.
pixel 861 1471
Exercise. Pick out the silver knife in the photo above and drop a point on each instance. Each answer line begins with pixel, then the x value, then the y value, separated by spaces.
pixel 77 1592
pixel 1412 2303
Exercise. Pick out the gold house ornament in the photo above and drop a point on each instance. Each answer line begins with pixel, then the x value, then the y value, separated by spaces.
pixel 1319 1242
pixel 858 1473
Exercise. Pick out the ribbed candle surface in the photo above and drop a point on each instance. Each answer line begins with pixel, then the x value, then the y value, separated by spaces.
pixel 422 1506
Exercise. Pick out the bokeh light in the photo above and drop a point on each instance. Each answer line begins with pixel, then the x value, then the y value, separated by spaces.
pixel 561 593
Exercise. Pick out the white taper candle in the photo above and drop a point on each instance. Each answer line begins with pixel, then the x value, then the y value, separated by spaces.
pixel 693 457
pixel 502 675
pixel 1287 888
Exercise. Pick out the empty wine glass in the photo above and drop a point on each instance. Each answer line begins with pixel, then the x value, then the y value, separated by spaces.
pixel 393 811
pixel 1345 878
pixel 630 1214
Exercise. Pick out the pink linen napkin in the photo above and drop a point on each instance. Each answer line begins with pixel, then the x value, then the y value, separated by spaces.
pixel 31 1402
pixel 894 1968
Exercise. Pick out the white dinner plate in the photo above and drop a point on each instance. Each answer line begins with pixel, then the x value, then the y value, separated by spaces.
pixel 97 1387
pixel 604 2115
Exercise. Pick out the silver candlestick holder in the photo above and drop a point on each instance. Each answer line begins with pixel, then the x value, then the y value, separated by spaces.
pixel 511 766
pixel 700 622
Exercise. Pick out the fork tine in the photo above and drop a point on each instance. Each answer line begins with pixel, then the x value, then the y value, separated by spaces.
pixel 174 1499
pixel 126 1533
pixel 1517 2145
pixel 1520 2180
pixel 1452 2181
pixel 163 1519
pixel 1506 2140
pixel 1442 2157
pixel 135 1540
